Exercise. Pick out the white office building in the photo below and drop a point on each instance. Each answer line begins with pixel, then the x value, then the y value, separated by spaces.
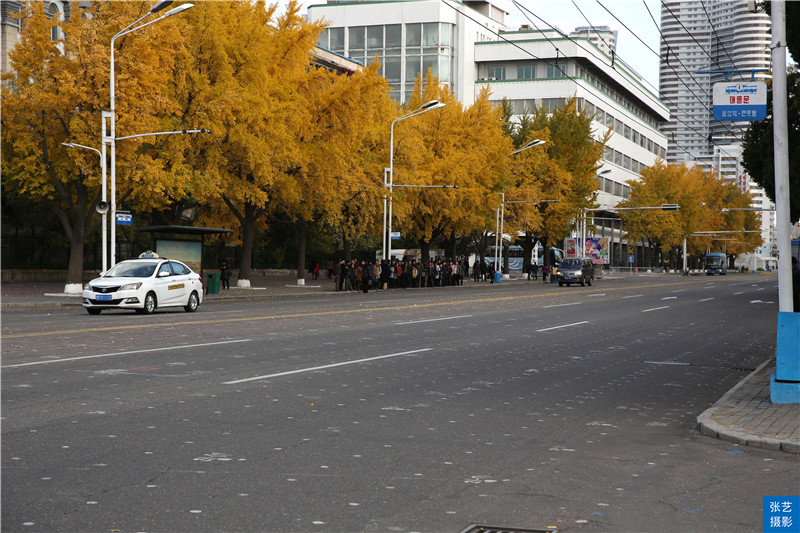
pixel 468 46
pixel 409 37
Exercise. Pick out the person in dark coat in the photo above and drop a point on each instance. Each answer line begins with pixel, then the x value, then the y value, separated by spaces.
pixel 225 275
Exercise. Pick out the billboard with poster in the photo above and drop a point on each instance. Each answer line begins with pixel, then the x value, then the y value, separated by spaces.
pixel 597 249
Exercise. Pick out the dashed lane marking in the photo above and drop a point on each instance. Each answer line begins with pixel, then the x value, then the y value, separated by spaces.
pixel 325 367
pixel 161 349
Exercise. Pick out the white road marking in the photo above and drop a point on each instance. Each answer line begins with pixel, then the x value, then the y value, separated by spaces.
pixel 634 296
pixel 564 326
pixel 560 305
pixel 677 363
pixel 706 299
pixel 431 320
pixel 162 349
pixel 670 298
pixel 655 309
pixel 597 294
pixel 324 367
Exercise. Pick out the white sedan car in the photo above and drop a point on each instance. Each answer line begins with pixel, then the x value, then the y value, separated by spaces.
pixel 144 285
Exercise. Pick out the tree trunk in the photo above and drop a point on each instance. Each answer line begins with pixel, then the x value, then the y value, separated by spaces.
pixel 347 247
pixel 425 251
pixel 248 239
pixel 300 225
pixel 75 268
pixel 527 243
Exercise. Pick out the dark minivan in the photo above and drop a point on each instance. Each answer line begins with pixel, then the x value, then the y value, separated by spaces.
pixel 574 270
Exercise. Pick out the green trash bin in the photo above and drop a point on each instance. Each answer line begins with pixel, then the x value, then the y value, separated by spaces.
pixel 213 283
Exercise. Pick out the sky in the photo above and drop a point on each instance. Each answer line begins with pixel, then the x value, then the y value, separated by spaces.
pixel 564 15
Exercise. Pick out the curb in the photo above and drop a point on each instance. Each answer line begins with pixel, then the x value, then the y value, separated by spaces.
pixel 712 428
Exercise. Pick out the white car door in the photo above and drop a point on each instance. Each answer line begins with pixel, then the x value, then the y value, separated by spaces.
pixel 181 284
pixel 163 282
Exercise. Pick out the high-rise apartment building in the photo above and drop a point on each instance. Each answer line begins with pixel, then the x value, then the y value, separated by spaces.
pixel 701 40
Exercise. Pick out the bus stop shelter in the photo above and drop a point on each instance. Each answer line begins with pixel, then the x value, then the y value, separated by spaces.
pixel 165 241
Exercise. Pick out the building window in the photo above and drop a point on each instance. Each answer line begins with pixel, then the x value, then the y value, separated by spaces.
pixel 497 73
pixel 446 38
pixel 556 70
pixel 356 38
pixel 413 64
pixel 54 13
pixel 374 37
pixel 413 35
pixel 334 40
pixel 525 72
pixel 430 63
pixel 551 104
pixel 394 36
pixel 391 69
pixel 600 116
pixel 430 34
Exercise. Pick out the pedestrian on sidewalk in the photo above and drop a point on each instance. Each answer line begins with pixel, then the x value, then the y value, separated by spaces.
pixel 225 275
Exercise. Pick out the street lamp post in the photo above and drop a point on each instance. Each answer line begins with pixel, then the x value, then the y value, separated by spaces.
pixel 112 140
pixel 389 172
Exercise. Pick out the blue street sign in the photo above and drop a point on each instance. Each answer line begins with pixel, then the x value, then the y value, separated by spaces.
pixel 124 219
pixel 630 259
pixel 395 235
pixel 740 101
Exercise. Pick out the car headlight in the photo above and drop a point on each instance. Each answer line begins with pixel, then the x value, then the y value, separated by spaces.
pixel 87 287
pixel 131 286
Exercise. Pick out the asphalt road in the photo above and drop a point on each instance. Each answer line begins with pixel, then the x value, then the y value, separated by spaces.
pixel 521 405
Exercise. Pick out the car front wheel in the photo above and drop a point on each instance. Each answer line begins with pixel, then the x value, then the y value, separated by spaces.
pixel 191 306
pixel 150 304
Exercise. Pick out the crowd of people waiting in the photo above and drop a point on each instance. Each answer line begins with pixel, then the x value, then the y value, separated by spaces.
pixel 362 275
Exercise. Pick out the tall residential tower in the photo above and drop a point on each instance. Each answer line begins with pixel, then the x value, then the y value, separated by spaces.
pixel 702 39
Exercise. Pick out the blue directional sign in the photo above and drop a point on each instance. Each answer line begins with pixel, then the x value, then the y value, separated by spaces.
pixel 740 101
pixel 124 219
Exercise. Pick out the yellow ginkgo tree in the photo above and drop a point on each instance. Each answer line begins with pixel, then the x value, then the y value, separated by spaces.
pixel 451 146
pixel 56 92
pixel 336 164
pixel 702 197
pixel 243 79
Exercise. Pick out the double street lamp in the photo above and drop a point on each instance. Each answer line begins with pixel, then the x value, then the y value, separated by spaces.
pixel 388 176
pixel 109 137
pixel 112 140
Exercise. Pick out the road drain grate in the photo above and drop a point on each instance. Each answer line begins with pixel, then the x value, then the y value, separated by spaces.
pixel 482 528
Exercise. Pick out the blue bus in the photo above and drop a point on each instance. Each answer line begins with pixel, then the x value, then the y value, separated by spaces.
pixel 715 263
pixel 516 256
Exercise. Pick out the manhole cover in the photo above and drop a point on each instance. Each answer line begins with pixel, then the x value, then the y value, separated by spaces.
pixel 482 528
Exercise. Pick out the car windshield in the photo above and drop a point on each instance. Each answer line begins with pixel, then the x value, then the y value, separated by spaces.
pixel 131 270
pixel 570 263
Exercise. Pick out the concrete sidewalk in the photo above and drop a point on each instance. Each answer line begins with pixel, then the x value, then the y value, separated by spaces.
pixel 743 415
